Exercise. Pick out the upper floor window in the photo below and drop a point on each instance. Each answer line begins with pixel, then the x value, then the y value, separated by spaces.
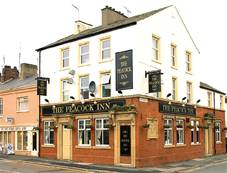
pixel 221 102
pixel 105 46
pixel 84 86
pixel 65 90
pixel 188 61
pixel 102 131
pixel 84 53
pixel 65 57
pixel 156 48
pixel 209 99
pixel 22 104
pixel 105 84
pixel 174 88
pixel 1 106
pixel 189 92
pixel 174 55
pixel 48 132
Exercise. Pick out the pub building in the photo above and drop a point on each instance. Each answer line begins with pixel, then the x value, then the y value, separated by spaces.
pixel 112 100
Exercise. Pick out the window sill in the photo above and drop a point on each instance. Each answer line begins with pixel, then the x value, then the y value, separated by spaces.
pixel 83 146
pixel 64 69
pixel 180 145
pixel 48 145
pixel 174 67
pixel 102 147
pixel 157 61
pixel 218 142
pixel 169 146
pixel 106 60
pixel 22 111
pixel 83 65
pixel 195 144
pixel 188 72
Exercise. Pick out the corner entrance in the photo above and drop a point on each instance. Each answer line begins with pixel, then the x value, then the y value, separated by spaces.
pixel 124 139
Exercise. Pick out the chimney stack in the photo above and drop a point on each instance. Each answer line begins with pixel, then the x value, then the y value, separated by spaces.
pixel 81 26
pixel 28 70
pixel 110 15
pixel 8 73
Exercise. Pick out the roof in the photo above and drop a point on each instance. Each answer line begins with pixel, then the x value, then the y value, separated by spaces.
pixel 18 83
pixel 103 28
pixel 208 87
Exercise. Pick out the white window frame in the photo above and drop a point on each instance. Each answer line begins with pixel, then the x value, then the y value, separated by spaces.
pixel 65 89
pixel 189 92
pixel 84 54
pixel 180 130
pixel 102 128
pixel 192 132
pixel 103 49
pixel 84 88
pixel 173 55
pixel 84 130
pixel 105 83
pixel 221 102
pixel 188 62
pixel 47 129
pixel 174 88
pixel 65 58
pixel 218 132
pixel 168 131
pixel 156 48
pixel 20 101
pixel 197 136
pixel 1 107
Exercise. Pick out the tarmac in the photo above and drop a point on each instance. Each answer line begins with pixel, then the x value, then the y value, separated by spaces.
pixel 179 167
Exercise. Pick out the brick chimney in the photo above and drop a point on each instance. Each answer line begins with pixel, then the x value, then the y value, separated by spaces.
pixel 8 73
pixel 110 15
pixel 81 26
pixel 28 70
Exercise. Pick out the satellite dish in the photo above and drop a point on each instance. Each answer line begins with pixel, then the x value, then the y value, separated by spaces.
pixel 70 81
pixel 72 72
pixel 92 86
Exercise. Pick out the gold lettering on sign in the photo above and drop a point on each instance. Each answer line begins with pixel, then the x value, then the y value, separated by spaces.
pixel 57 110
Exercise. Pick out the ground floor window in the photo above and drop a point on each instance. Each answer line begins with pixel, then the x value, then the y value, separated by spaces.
pixel 84 132
pixel 102 131
pixel 195 134
pixel 5 138
pixel 218 131
pixel 22 140
pixel 48 132
pixel 168 131
pixel 180 131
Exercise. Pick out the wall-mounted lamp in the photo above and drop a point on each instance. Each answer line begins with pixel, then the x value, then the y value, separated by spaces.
pixel 82 101
pixel 198 101
pixel 46 100
pixel 92 94
pixel 167 96
pixel 183 99
pixel 73 98
pixel 120 92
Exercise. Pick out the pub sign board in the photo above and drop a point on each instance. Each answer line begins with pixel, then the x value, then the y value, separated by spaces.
pixel 124 70
pixel 79 108
pixel 155 81
pixel 42 86
pixel 177 109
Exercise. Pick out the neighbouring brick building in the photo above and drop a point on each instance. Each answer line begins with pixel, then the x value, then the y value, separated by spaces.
pixel 19 110
pixel 101 106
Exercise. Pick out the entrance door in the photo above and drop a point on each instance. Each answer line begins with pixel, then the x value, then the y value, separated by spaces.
pixel 209 141
pixel 66 141
pixel 125 144
pixel 34 144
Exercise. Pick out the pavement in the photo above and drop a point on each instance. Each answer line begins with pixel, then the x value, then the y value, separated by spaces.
pixel 179 167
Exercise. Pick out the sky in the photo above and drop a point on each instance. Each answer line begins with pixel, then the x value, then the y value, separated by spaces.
pixel 26 25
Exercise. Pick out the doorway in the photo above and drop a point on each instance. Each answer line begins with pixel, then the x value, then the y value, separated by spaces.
pixel 34 143
pixel 66 143
pixel 125 144
pixel 209 141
